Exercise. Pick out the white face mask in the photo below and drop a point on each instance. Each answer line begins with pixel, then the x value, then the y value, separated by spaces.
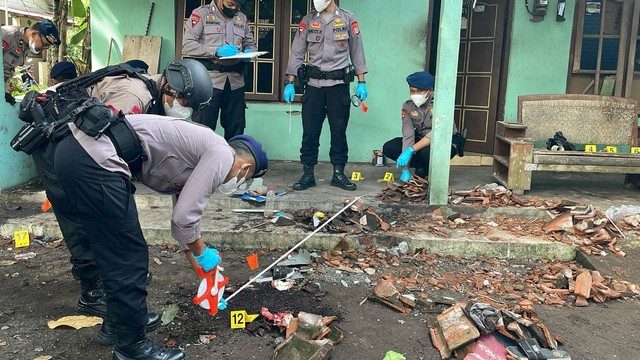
pixel 419 99
pixel 32 45
pixel 232 185
pixel 177 110
pixel 320 5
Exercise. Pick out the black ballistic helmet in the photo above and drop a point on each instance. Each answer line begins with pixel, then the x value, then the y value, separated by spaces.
pixel 190 79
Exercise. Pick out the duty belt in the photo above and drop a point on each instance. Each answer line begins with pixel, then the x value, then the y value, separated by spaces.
pixel 315 73
pixel 214 66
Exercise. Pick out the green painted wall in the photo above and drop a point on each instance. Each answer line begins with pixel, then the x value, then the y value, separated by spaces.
pixel 539 57
pixel 16 167
pixel 116 18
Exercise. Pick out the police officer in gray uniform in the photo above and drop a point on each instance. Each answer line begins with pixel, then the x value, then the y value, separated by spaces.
pixel 17 41
pixel 413 149
pixel 175 156
pixel 213 31
pixel 331 36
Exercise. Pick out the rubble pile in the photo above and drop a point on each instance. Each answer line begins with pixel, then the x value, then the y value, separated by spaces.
pixel 357 219
pixel 495 195
pixel 412 191
pixel 401 278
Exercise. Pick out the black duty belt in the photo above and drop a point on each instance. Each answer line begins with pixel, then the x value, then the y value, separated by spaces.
pixel 315 73
pixel 214 66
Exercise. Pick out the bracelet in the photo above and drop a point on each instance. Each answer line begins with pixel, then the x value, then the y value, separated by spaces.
pixel 287 82
pixel 362 82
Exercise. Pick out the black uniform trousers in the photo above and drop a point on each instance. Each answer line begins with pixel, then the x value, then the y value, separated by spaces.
pixel 317 103
pixel 84 267
pixel 420 159
pixel 104 205
pixel 229 105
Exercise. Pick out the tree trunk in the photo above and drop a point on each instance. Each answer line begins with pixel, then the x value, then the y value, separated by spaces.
pixel 86 46
pixel 61 23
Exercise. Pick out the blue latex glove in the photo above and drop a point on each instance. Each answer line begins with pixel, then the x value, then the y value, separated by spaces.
pixel 246 51
pixel 222 304
pixel 405 176
pixel 289 93
pixel 227 50
pixel 405 157
pixel 209 259
pixel 361 91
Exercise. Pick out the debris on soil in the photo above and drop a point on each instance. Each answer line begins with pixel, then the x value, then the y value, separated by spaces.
pixel 412 191
pixel 298 348
pixel 25 256
pixel 169 313
pixel 308 337
pixel 75 321
pixel 392 355
pixel 357 219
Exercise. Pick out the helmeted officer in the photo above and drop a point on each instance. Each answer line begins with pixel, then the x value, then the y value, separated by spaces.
pixel 213 31
pixel 413 148
pixel 184 84
pixel 62 71
pixel 331 36
pixel 178 157
pixel 18 41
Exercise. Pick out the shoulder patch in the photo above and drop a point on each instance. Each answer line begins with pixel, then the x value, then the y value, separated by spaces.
pixel 301 28
pixel 195 19
pixel 404 113
pixel 355 28
pixel 5 44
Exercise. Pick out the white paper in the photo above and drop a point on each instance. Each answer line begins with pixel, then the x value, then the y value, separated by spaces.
pixel 245 55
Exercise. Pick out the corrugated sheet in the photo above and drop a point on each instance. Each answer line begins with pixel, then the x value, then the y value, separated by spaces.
pixel 43 8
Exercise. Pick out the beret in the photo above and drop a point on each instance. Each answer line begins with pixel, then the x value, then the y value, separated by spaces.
pixel 421 80
pixel 64 69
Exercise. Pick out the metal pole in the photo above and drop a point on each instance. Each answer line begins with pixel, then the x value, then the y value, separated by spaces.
pixel 6 14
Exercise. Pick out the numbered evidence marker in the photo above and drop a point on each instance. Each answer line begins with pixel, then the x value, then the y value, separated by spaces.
pixel 240 319
pixel 356 176
pixel 590 148
pixel 611 149
pixel 635 150
pixel 21 238
pixel 388 176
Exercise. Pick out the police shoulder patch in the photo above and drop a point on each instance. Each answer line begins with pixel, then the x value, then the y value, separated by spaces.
pixel 195 19
pixel 301 28
pixel 404 113
pixel 355 28
pixel 5 44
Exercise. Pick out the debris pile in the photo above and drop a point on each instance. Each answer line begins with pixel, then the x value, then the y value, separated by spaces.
pixel 355 220
pixel 495 195
pixel 486 331
pixel 412 191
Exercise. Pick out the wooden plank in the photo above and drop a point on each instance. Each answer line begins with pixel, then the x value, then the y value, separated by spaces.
pixel 632 48
pixel 510 130
pixel 583 119
pixel 145 48
pixel 518 178
pixel 585 160
pixel 514 140
pixel 584 153
pixel 589 168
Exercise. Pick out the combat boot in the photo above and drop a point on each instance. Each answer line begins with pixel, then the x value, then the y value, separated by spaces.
pixel 93 299
pixel 108 334
pixel 307 180
pixel 134 345
pixel 340 180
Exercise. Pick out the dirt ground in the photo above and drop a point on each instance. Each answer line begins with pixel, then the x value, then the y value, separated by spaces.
pixel 41 289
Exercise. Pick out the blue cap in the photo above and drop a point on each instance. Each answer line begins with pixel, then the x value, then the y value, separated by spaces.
pixel 241 2
pixel 64 69
pixel 421 80
pixel 48 30
pixel 138 64
pixel 260 156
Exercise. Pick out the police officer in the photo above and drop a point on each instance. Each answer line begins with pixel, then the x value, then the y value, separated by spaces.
pixel 182 158
pixel 413 148
pixel 16 41
pixel 62 71
pixel 128 94
pixel 331 36
pixel 217 30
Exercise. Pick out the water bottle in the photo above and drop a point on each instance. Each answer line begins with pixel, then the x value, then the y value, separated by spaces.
pixel 270 204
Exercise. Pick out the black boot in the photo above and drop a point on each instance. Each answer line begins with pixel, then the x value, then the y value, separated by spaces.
pixel 307 180
pixel 136 346
pixel 108 334
pixel 93 299
pixel 340 180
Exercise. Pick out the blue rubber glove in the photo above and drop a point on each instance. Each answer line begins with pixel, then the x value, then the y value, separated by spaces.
pixel 405 176
pixel 209 259
pixel 361 91
pixel 227 50
pixel 222 304
pixel 289 93
pixel 405 157
pixel 246 51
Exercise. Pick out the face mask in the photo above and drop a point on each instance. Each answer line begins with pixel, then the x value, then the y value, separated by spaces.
pixel 32 45
pixel 228 12
pixel 320 5
pixel 232 185
pixel 419 99
pixel 177 111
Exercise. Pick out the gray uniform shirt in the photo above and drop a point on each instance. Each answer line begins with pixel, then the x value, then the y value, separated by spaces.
pixel 330 44
pixel 185 159
pixel 14 49
pixel 417 120
pixel 206 30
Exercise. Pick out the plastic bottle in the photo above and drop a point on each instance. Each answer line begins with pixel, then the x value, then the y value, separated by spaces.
pixel 270 204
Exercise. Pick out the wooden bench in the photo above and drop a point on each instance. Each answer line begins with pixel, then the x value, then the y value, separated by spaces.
pixel 519 148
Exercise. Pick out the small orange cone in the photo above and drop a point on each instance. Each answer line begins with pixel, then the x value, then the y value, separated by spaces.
pixel 46 205
pixel 252 260
pixel 364 107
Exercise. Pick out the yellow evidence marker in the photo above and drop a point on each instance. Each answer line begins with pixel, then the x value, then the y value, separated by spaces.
pixel 590 148
pixel 240 319
pixel 21 238
pixel 611 149
pixel 356 176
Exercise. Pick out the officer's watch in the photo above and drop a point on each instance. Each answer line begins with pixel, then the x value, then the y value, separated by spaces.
pixel 287 82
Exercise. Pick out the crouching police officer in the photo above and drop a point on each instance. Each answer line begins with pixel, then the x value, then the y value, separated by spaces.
pixel 62 71
pixel 170 156
pixel 184 84
pixel 331 36
pixel 413 148
pixel 17 42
